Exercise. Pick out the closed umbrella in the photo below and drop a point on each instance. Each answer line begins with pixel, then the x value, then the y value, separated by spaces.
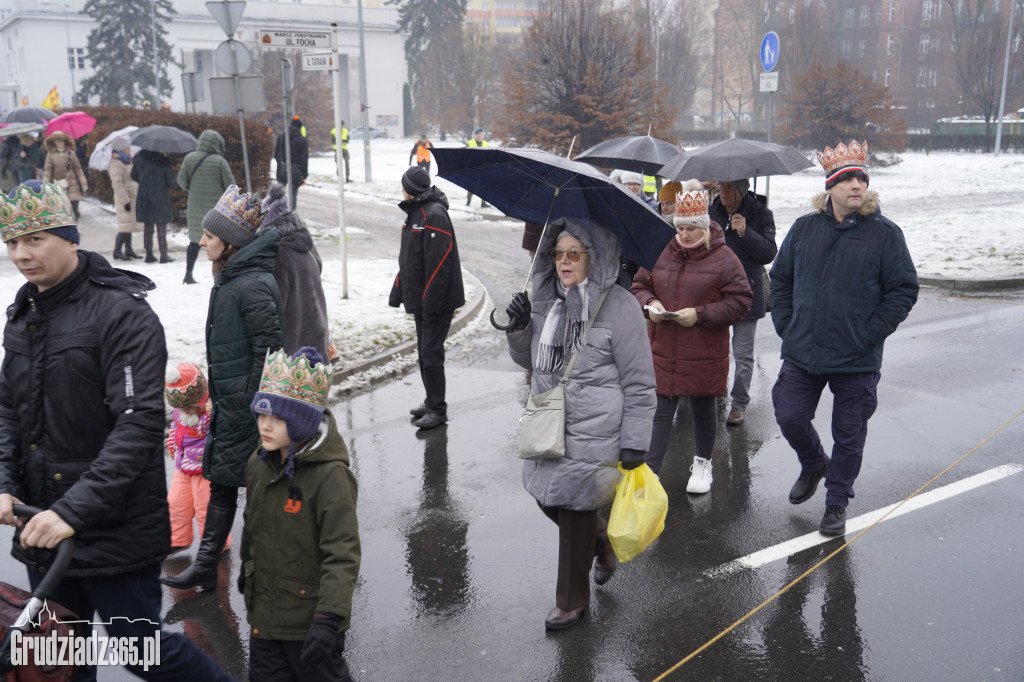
pixel 166 139
pixel 27 114
pixel 735 160
pixel 637 153
pixel 100 157
pixel 74 123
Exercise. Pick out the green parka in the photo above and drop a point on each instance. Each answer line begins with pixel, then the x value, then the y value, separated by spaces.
pixel 300 543
pixel 205 182
pixel 245 320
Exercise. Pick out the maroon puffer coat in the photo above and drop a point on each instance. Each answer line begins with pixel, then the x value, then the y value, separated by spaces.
pixel 694 361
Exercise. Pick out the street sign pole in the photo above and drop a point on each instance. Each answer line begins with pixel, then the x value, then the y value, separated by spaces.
pixel 769 54
pixel 338 161
pixel 364 117
pixel 241 118
pixel 286 89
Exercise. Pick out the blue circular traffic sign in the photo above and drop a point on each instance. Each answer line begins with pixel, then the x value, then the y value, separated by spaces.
pixel 770 51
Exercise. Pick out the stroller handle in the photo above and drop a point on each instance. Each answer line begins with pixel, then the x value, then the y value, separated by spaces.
pixel 60 563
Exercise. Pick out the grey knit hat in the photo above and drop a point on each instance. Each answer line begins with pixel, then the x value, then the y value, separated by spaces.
pixel 236 217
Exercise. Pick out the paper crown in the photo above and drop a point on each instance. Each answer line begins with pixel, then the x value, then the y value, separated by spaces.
pixel 31 211
pixel 186 386
pixel 295 379
pixel 692 204
pixel 244 210
pixel 843 159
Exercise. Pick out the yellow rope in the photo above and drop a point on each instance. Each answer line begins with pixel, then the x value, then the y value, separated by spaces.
pixel 815 567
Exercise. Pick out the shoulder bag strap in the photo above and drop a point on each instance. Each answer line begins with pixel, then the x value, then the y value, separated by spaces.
pixel 196 167
pixel 590 323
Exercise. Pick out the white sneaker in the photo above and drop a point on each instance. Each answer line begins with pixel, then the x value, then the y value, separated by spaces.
pixel 700 476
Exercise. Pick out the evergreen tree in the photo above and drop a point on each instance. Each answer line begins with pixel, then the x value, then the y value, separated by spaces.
pixel 121 51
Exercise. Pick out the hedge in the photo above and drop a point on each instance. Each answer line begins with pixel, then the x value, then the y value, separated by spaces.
pixel 260 141
pixel 962 142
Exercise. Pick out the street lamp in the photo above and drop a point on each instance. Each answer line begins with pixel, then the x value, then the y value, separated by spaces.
pixel 72 56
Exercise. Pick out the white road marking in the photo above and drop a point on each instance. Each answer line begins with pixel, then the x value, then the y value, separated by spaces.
pixel 856 524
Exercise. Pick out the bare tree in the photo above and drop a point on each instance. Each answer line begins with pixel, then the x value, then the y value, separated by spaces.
pixel 313 95
pixel 740 27
pixel 581 72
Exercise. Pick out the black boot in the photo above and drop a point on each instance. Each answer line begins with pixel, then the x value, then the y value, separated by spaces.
pixel 161 240
pixel 203 571
pixel 190 262
pixel 119 246
pixel 129 252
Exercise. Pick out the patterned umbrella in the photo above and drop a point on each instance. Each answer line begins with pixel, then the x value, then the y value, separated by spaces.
pixel 74 123
pixel 100 158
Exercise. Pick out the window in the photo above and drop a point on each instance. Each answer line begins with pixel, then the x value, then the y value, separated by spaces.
pixel 888 76
pixel 485 5
pixel 892 12
pixel 848 17
pixel 926 10
pixel 889 41
pixel 865 16
pixel 862 47
pixel 1016 43
pixel 922 47
pixel 791 13
pixel 922 77
pixel 76 58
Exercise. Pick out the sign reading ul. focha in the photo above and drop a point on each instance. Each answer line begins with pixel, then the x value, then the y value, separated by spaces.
pixel 296 39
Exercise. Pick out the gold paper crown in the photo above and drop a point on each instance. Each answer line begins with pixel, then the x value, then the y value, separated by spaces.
pixel 692 204
pixel 843 158
pixel 295 379
pixel 31 211
pixel 240 208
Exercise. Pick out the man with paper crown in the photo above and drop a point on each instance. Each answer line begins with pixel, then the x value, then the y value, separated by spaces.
pixel 842 282
pixel 300 527
pixel 81 428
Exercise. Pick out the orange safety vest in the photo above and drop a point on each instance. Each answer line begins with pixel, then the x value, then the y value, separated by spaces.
pixel 423 152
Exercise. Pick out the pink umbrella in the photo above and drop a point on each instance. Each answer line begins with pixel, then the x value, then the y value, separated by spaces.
pixel 74 123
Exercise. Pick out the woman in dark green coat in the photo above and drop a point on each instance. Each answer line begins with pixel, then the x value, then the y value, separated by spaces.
pixel 205 175
pixel 245 320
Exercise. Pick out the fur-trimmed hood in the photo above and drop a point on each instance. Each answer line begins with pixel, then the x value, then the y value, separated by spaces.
pixel 870 205
pixel 51 141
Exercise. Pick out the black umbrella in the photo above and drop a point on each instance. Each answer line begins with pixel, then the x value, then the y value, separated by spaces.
pixel 637 153
pixel 735 160
pixel 534 185
pixel 164 139
pixel 27 114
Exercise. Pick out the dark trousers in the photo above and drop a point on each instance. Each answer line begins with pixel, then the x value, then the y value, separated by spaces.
pixel 125 597
pixel 582 535
pixel 796 394
pixel 161 237
pixel 705 428
pixel 274 660
pixel 431 331
pixel 425 165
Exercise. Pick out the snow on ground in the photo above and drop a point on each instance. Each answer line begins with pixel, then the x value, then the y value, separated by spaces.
pixel 962 214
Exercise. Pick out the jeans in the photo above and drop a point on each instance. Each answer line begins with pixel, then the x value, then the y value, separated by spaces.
pixel 743 354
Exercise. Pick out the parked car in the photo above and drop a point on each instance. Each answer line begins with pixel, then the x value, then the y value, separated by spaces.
pixel 375 133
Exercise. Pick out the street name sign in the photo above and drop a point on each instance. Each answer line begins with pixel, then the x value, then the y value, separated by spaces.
pixel 296 39
pixel 317 61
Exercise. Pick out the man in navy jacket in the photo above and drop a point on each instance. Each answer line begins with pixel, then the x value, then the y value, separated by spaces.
pixel 842 282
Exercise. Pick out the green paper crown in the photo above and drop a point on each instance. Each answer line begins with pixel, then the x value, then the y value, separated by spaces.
pixel 32 211
pixel 295 379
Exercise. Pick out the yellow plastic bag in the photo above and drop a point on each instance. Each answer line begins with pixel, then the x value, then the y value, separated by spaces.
pixel 638 512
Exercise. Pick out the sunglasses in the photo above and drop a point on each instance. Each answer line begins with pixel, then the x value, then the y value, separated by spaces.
pixel 572 254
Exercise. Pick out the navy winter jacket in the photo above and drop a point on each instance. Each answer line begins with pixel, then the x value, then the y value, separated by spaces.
pixel 839 289
pixel 756 249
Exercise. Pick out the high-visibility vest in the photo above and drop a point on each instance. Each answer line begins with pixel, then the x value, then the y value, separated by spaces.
pixel 650 184
pixel 473 143
pixel 344 139
pixel 422 152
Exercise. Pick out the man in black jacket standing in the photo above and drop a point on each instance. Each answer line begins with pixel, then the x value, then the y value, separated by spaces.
pixel 429 284
pixel 81 429
pixel 299 147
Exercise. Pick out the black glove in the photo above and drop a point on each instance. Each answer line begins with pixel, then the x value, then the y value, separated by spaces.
pixel 518 311
pixel 241 582
pixel 128 206
pixel 322 639
pixel 631 459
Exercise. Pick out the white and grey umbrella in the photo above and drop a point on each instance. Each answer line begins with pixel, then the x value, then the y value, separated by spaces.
pixel 100 157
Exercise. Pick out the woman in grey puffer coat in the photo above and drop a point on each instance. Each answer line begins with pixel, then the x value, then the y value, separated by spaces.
pixel 609 399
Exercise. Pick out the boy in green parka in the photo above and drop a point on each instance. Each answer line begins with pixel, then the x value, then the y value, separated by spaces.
pixel 300 543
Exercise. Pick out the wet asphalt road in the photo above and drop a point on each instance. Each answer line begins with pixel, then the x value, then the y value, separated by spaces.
pixel 459 564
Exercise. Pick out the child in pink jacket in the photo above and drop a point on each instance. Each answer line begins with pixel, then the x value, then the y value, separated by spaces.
pixel 189 495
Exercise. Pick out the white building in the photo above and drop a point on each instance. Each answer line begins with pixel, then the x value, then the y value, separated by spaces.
pixel 43 44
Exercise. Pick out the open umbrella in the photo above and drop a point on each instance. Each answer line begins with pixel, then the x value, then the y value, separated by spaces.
pixel 534 185
pixel 734 160
pixel 27 114
pixel 100 157
pixel 165 139
pixel 637 153
pixel 8 129
pixel 74 123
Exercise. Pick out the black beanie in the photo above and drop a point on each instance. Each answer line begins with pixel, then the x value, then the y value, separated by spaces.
pixel 416 181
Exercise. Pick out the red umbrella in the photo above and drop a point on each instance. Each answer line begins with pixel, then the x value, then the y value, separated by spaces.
pixel 74 123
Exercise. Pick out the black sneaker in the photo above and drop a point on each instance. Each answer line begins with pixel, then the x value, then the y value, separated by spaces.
pixel 834 520
pixel 807 484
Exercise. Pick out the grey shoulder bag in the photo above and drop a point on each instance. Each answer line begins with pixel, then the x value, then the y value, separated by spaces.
pixel 543 420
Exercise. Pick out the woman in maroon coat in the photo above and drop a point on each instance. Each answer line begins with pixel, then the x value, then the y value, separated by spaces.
pixel 696 291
